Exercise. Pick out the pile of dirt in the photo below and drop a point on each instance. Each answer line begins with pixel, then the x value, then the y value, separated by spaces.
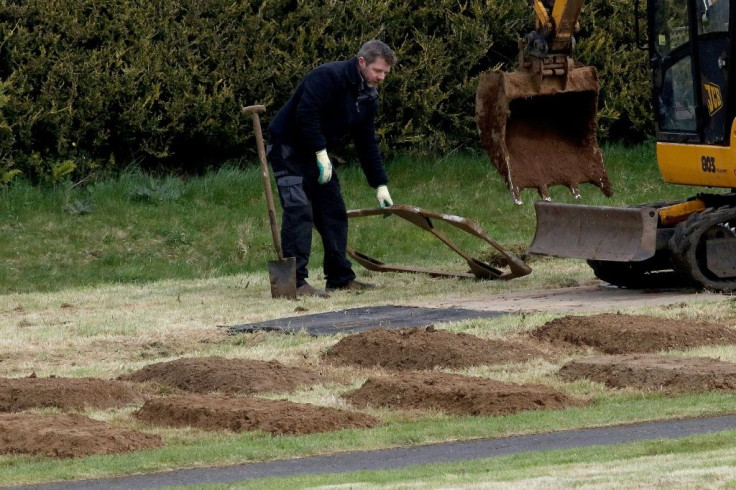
pixel 219 412
pixel 425 348
pixel 233 376
pixel 18 394
pixel 68 436
pixel 215 382
pixel 654 372
pixel 456 394
pixel 623 334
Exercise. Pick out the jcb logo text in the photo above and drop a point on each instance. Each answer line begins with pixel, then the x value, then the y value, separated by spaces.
pixel 713 96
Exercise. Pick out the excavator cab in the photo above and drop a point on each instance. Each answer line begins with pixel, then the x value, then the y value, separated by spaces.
pixel 690 70
pixel 690 47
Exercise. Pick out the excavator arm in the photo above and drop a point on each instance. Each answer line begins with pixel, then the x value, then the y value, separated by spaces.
pixel 561 24
pixel 546 50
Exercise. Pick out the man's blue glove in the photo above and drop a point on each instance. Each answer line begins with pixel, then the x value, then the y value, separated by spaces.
pixel 384 198
pixel 325 167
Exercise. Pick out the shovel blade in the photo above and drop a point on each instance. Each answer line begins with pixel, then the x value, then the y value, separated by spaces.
pixel 282 274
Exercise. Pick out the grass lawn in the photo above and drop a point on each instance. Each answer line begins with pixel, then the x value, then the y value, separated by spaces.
pixel 103 279
pixel 137 229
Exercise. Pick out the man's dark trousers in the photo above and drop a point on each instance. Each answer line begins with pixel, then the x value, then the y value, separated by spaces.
pixel 307 204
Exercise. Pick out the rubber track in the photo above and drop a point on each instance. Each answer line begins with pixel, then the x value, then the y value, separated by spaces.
pixel 684 247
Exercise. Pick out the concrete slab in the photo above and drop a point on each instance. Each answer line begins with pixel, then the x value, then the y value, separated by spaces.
pixel 593 298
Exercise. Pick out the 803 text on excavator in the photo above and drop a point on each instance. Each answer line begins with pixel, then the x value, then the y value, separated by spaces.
pixel 538 125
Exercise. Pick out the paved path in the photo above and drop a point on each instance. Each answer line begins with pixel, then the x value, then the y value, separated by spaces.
pixel 571 300
pixel 417 455
pixel 422 313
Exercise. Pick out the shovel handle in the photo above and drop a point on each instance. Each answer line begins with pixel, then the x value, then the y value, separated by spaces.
pixel 254 110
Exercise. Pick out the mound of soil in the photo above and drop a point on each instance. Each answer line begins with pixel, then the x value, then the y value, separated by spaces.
pixel 624 334
pixel 654 372
pixel 415 349
pixel 233 376
pixel 218 412
pixel 456 394
pixel 18 394
pixel 68 436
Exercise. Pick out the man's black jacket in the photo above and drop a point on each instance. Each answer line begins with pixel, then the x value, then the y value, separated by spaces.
pixel 330 103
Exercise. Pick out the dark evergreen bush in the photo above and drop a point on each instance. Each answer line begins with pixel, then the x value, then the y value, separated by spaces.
pixel 98 84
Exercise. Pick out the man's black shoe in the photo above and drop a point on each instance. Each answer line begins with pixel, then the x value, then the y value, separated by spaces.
pixel 353 285
pixel 307 290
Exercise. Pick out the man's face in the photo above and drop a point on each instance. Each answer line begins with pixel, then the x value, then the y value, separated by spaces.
pixel 374 73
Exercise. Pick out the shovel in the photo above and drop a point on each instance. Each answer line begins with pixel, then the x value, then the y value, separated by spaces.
pixel 282 272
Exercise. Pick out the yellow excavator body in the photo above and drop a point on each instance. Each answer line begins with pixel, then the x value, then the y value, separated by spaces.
pixel 698 164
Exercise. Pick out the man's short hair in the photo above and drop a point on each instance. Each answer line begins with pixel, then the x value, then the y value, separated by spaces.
pixel 373 49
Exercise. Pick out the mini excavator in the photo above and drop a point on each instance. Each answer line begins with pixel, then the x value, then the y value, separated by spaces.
pixel 538 126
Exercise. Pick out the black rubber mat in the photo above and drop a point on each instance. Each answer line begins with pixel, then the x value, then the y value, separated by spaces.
pixel 360 319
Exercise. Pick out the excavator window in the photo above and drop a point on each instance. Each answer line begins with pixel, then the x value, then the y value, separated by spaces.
pixel 673 70
pixel 677 99
pixel 690 48
pixel 671 25
pixel 712 16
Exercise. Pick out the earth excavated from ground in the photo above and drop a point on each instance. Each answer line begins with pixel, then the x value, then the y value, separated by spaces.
pixel 215 393
pixel 427 348
pixel 217 374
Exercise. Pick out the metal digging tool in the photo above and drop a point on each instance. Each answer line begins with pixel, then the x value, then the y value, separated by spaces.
pixel 423 219
pixel 282 272
pixel 540 132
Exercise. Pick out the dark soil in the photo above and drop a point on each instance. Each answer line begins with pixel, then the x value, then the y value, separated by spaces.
pixel 624 334
pixel 65 393
pixel 233 376
pixel 458 395
pixel 654 372
pixel 68 436
pixel 216 381
pixel 218 412
pixel 426 348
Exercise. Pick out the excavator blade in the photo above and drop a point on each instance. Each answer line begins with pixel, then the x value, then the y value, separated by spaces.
pixel 595 232
pixel 540 131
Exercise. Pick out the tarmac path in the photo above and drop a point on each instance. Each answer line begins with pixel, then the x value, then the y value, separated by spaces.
pixel 411 456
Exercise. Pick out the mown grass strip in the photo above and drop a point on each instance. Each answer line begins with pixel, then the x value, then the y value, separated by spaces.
pixel 136 228
pixel 692 462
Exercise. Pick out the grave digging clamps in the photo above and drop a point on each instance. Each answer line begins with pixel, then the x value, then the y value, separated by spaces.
pixel 423 219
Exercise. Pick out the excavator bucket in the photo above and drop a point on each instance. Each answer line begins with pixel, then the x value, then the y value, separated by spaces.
pixel 595 232
pixel 540 131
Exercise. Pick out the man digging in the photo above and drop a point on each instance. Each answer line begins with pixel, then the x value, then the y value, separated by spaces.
pixel 333 101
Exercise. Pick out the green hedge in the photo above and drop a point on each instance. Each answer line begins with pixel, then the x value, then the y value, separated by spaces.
pixel 90 85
